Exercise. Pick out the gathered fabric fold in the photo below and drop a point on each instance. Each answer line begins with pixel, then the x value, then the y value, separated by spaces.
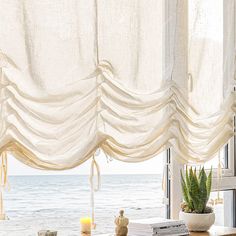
pixel 128 125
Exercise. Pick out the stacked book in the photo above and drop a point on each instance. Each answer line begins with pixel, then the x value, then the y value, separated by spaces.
pixel 157 227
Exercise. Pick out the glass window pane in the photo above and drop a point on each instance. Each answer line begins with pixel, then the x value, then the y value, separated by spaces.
pixel 63 197
pixel 219 158
pixel 222 203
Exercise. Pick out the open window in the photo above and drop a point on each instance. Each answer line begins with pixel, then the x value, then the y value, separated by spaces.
pixel 214 22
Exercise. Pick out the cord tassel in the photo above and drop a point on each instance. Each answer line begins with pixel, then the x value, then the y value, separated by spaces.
pixel 219 200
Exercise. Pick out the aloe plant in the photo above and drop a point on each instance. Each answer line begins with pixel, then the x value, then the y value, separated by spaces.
pixel 196 190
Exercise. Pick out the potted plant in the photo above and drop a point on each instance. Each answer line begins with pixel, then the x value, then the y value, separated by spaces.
pixel 196 188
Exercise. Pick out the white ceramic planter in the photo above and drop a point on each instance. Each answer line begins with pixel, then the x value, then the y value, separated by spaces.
pixel 197 222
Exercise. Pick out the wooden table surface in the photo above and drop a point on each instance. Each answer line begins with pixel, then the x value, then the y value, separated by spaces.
pixel 216 231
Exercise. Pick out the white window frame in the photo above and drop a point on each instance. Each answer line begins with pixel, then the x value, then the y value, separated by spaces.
pixel 228 181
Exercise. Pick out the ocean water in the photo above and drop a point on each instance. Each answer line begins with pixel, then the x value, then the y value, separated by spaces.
pixel 68 197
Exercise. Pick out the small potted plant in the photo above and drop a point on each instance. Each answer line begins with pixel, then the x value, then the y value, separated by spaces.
pixel 196 188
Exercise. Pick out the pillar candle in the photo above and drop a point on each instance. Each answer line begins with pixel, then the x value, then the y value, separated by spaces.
pixel 85 224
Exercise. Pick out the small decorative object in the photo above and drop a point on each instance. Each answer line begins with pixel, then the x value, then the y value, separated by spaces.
pixel 121 224
pixel 196 190
pixel 47 233
pixel 85 224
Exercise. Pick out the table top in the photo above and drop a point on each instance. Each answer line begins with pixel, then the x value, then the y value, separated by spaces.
pixel 216 231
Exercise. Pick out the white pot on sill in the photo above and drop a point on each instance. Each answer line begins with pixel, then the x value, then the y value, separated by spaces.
pixel 197 222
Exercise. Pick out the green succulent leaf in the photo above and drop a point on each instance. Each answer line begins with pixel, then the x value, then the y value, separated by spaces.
pixel 190 204
pixel 184 189
pixel 209 183
pixel 203 191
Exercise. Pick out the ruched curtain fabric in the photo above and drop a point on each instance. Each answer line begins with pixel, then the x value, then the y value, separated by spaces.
pixel 77 75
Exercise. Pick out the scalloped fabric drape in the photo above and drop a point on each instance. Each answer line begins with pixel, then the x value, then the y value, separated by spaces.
pixel 77 75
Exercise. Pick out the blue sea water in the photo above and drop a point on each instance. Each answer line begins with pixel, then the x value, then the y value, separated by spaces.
pixel 69 197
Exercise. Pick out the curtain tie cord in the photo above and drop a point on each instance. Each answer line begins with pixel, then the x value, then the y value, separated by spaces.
pixel 219 200
pixel 3 179
pixel 94 168
pixel 165 199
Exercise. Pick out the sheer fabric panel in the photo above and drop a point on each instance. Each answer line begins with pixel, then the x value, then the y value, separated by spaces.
pixel 87 74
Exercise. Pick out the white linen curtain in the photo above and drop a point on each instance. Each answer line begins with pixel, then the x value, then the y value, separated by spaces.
pixel 77 75
pixel 211 65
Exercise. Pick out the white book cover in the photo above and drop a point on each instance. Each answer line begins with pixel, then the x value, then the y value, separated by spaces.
pixel 159 229
pixel 154 223
pixel 164 230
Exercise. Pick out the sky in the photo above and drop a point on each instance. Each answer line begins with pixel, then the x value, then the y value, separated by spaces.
pixel 153 166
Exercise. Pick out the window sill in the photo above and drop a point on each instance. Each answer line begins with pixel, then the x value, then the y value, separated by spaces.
pixel 216 230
